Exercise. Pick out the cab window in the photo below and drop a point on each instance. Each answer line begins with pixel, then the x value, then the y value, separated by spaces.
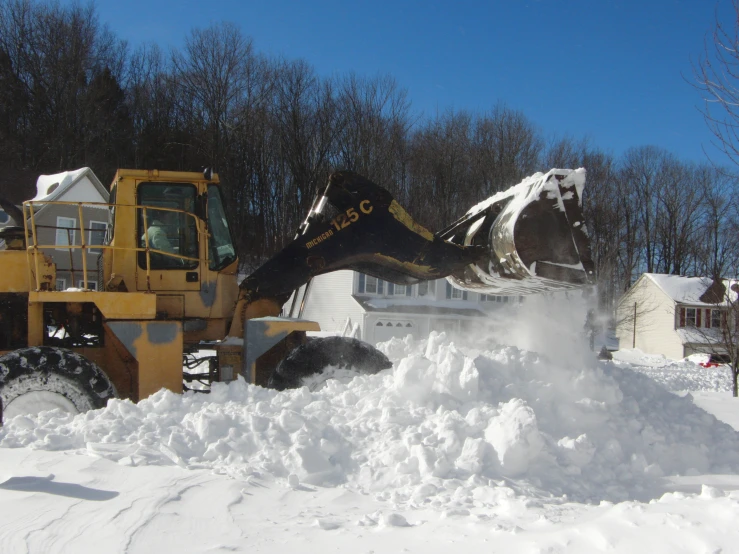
pixel 171 233
pixel 221 251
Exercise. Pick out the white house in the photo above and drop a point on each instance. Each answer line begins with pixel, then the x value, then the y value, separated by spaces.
pixel 673 315
pixel 353 304
pixel 58 225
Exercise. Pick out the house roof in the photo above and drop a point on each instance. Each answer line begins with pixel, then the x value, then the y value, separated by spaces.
pixel 384 305
pixel 53 187
pixel 56 187
pixel 687 290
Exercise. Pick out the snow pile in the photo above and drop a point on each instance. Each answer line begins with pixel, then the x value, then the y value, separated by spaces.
pixel 447 426
pixel 683 375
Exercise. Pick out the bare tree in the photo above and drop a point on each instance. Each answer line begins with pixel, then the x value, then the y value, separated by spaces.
pixel 566 152
pixel 212 76
pixel 717 247
pixel 440 169
pixel 506 147
pixel 645 171
pixel 717 332
pixel 49 56
pixel 304 113
pixel 375 123
pixel 717 76
pixel 679 204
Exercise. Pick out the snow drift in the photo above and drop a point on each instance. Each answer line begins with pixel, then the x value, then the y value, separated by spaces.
pixel 446 426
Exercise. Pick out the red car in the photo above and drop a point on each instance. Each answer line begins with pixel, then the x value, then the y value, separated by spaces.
pixel 716 360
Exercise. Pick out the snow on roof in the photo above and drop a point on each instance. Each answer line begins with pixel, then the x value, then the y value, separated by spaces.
pixel 694 335
pixel 46 185
pixel 52 187
pixel 687 290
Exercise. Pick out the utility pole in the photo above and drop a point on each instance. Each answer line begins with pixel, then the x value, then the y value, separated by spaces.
pixel 633 340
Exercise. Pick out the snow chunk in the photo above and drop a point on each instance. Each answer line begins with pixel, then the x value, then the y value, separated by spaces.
pixel 515 437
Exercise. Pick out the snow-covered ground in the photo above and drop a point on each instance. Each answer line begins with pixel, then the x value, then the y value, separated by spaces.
pixel 462 444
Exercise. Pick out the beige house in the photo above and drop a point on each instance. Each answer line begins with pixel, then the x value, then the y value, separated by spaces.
pixel 58 226
pixel 673 315
pixel 350 303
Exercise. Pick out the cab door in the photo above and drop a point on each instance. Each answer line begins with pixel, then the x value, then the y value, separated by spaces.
pixel 168 228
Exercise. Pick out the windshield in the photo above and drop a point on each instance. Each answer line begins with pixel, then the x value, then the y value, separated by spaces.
pixel 221 251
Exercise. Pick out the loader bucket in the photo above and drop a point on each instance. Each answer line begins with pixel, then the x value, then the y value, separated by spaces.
pixel 534 234
pixel 528 239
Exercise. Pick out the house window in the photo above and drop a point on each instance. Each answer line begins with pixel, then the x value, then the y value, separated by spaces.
pixel 360 283
pixel 65 232
pixel 373 285
pixel 426 288
pixel 716 318
pixel 98 230
pixel 397 325
pixel 399 290
pixel 690 317
pixel 91 285
pixel 455 294
pixel 61 284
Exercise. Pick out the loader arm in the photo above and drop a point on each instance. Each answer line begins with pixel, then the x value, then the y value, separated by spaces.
pixel 356 224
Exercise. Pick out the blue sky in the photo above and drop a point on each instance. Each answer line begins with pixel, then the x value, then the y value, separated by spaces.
pixel 616 71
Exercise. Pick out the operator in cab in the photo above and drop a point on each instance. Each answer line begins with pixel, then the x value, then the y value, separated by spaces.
pixel 157 234
pixel 159 239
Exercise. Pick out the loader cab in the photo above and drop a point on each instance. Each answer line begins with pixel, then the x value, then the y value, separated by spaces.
pixel 170 237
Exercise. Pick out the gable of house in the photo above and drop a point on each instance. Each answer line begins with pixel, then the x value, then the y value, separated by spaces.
pixel 646 319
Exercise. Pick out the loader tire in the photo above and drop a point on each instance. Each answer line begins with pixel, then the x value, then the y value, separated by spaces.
pixel 320 359
pixel 43 378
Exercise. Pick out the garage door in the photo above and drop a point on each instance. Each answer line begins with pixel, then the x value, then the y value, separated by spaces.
pixel 388 328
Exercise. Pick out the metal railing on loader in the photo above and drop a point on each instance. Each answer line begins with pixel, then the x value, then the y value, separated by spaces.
pixel 34 248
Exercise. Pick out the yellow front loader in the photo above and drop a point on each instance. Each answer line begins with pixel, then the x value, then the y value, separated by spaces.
pixel 169 285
